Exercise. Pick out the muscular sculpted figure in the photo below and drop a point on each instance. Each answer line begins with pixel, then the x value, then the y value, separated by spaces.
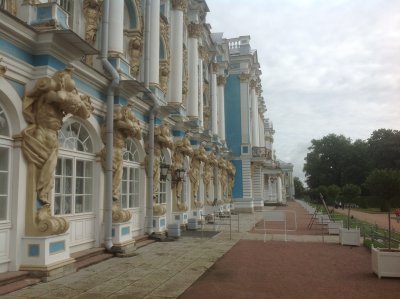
pixel 208 175
pixel 44 108
pixel 199 156
pixel 162 139
pixel 182 148
pixel 231 179
pixel 223 179
pixel 92 12
pixel 125 125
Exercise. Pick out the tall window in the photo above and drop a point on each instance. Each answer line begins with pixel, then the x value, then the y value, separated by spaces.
pixel 162 191
pixel 5 144
pixel 130 176
pixel 73 187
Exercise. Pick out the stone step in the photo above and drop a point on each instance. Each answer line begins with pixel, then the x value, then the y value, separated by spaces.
pixel 85 254
pixel 15 280
pixel 84 262
pixel 144 243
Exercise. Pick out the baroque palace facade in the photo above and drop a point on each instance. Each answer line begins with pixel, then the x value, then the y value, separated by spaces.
pixel 186 133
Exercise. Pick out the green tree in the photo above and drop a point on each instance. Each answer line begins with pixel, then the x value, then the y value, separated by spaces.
pixel 384 149
pixel 334 159
pixel 385 183
pixel 350 192
pixel 298 187
pixel 333 192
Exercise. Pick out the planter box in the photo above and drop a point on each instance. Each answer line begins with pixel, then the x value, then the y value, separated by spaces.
pixel 385 263
pixel 349 236
pixel 334 227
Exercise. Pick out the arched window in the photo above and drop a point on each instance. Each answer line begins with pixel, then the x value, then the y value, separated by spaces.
pixel 130 177
pixel 5 145
pixel 73 186
pixel 162 191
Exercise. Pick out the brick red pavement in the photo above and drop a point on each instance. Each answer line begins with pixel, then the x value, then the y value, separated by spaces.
pixel 293 270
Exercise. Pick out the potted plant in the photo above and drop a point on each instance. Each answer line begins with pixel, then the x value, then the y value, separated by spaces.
pixel 386 184
pixel 349 236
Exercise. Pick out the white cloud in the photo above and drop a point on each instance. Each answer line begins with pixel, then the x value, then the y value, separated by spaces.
pixel 328 66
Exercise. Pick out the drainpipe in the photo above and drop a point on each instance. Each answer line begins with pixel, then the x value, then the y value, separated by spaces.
pixel 153 112
pixel 109 129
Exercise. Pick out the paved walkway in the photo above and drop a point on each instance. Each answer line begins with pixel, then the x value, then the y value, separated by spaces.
pixel 160 270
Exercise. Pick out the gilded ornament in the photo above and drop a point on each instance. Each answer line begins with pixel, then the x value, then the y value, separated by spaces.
pixel 179 5
pixel 92 12
pixel 208 168
pixel 221 80
pixel 195 30
pixel 199 157
pixel 244 77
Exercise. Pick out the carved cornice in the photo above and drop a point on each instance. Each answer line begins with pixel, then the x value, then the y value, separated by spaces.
pixel 179 5
pixel 195 30
pixel 221 80
pixel 244 77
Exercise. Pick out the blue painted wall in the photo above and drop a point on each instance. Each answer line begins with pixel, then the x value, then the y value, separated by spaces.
pixel 233 118
pixel 237 191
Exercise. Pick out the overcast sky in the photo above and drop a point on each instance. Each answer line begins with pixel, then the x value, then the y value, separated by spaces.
pixel 329 66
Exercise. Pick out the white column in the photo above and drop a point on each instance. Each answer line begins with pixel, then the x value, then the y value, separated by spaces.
pixel 201 95
pixel 116 27
pixel 194 31
pixel 279 188
pixel 245 107
pixel 176 63
pixel 221 106
pixel 214 99
pixel 269 188
pixel 254 112
pixel 154 59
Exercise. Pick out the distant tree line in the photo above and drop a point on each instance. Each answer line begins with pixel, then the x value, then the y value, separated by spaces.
pixel 366 173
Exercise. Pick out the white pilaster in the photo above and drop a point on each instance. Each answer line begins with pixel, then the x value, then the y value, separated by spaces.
pixel 116 27
pixel 193 64
pixel 201 94
pixel 214 99
pixel 245 107
pixel 254 112
pixel 279 188
pixel 154 61
pixel 176 63
pixel 221 106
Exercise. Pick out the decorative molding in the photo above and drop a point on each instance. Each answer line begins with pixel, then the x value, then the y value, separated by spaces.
pixel 244 78
pixel 195 30
pixel 203 53
pixel 253 84
pixel 221 80
pixel 179 5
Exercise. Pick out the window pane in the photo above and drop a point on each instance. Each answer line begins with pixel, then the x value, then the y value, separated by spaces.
pixel 3 207
pixel 88 169
pixel 59 167
pixel 80 168
pixel 125 174
pixel 88 186
pixel 68 185
pixel 79 204
pixel 79 186
pixel 68 167
pixel 124 187
pixel 57 185
pixel 124 204
pixel 3 159
pixel 67 205
pixel 3 183
pixel 88 203
pixel 57 205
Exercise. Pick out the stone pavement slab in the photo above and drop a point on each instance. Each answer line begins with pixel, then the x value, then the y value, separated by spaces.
pixel 160 270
